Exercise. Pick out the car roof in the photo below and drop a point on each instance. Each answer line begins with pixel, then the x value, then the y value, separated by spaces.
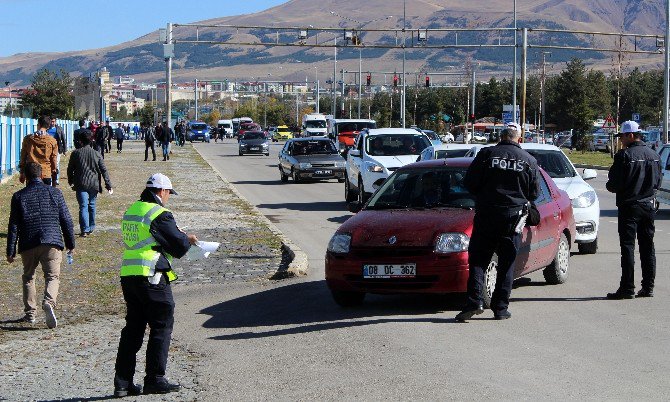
pixel 352 120
pixel 309 139
pixel 441 147
pixel 378 131
pixel 433 163
pixel 532 145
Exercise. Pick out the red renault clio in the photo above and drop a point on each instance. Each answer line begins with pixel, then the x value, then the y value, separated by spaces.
pixel 412 236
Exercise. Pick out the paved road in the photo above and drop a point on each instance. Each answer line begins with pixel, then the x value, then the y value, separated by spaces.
pixel 290 341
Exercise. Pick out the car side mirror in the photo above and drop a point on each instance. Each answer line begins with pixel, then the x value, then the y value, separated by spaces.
pixel 354 207
pixel 355 152
pixel 589 174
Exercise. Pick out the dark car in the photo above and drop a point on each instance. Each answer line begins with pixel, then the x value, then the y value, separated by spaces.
pixel 412 236
pixel 311 158
pixel 254 142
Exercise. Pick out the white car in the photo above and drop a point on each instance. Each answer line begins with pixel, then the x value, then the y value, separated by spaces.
pixel 585 205
pixel 474 150
pixel 663 193
pixel 376 154
pixel 444 151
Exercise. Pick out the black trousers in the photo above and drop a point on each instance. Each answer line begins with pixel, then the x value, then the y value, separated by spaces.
pixel 637 220
pixel 119 145
pixel 493 233
pixel 145 304
pixel 148 145
pixel 109 144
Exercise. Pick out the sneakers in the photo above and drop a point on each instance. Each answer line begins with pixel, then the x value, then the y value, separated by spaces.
pixel 469 312
pixel 162 386
pixel 645 293
pixel 28 319
pixel 50 316
pixel 502 315
pixel 618 295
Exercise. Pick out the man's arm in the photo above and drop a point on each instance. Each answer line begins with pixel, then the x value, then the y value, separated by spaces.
pixel 24 154
pixel 65 220
pixel 53 157
pixel 70 169
pixel 13 228
pixel 104 172
pixel 615 180
pixel 172 240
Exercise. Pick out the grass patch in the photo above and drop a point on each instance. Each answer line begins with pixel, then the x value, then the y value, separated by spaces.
pixel 589 158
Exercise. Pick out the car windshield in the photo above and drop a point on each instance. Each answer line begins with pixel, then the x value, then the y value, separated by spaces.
pixel 431 134
pixel 451 153
pixel 315 124
pixel 350 127
pixel 254 136
pixel 439 187
pixel 555 163
pixel 313 147
pixel 199 126
pixel 651 135
pixel 396 144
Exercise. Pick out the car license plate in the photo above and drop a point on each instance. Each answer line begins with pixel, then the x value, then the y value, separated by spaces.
pixel 389 271
pixel 254 148
pixel 323 172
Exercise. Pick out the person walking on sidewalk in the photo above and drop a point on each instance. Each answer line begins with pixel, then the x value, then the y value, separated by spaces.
pixel 39 221
pixel 42 149
pixel 166 138
pixel 120 135
pixel 56 131
pixel 149 142
pixel 78 133
pixel 152 239
pixel 635 176
pixel 102 134
pixel 83 175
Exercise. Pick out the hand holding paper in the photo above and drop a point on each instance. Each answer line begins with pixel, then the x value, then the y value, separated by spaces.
pixel 201 249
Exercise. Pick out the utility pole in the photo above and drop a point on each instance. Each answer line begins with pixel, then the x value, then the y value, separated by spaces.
pixel 168 76
pixel 360 81
pixel 474 87
pixel 514 119
pixel 333 105
pixel 543 122
pixel 196 98
pixel 402 98
pixel 342 108
pixel 666 80
pixel 524 77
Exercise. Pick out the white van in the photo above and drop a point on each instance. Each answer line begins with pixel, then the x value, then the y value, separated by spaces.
pixel 314 125
pixel 225 128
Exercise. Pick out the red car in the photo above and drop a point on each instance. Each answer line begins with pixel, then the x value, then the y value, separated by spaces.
pixel 412 236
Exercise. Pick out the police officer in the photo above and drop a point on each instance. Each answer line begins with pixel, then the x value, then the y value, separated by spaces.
pixel 152 239
pixel 635 176
pixel 503 179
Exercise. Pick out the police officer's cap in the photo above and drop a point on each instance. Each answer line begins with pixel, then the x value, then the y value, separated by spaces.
pixel 159 180
pixel 629 127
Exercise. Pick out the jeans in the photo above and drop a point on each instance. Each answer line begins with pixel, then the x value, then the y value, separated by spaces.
pixel 637 220
pixel 50 258
pixel 86 200
pixel 146 304
pixel 166 149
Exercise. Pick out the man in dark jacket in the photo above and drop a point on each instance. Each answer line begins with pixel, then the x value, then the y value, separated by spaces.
pixel 635 176
pixel 152 239
pixel 83 175
pixel 504 179
pixel 102 135
pixel 38 220
pixel 120 135
pixel 165 139
pixel 149 141
pixel 78 133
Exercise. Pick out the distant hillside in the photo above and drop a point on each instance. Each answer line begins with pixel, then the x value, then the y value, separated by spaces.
pixel 143 59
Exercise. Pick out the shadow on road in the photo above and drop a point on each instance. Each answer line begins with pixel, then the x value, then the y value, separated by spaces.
pixel 262 182
pixel 309 307
pixel 339 219
pixel 308 206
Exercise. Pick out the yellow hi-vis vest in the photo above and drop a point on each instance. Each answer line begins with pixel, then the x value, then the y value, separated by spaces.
pixel 139 259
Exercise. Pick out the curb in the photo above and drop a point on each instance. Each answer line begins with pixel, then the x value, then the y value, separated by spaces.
pixel 596 167
pixel 299 264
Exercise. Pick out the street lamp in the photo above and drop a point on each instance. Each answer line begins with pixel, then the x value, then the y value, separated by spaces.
pixel 316 76
pixel 11 109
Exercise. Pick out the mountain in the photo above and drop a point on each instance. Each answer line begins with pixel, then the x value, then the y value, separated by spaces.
pixel 142 58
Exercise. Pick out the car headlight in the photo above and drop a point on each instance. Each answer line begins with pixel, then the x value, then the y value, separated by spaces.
pixel 305 165
pixel 339 243
pixel 265 145
pixel 452 243
pixel 585 199
pixel 373 167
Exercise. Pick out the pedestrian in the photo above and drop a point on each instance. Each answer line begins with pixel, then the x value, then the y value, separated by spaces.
pixel 78 132
pixel 103 132
pixel 136 131
pixel 39 221
pixel 56 131
pixel 40 148
pixel 635 176
pixel 165 139
pixel 109 136
pixel 119 134
pixel 504 180
pixel 149 140
pixel 84 170
pixel 152 239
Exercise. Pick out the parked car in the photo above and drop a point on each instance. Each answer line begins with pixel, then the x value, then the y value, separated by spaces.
pixel 197 130
pixel 652 139
pixel 601 141
pixel 283 133
pixel 444 151
pixel 412 237
pixel 254 142
pixel 432 136
pixel 663 194
pixel 585 204
pixel 475 149
pixel 376 154
pixel 313 158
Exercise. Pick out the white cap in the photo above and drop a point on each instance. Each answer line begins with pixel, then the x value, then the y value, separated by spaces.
pixel 159 180
pixel 514 126
pixel 630 127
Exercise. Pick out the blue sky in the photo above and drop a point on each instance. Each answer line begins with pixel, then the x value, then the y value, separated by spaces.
pixel 86 24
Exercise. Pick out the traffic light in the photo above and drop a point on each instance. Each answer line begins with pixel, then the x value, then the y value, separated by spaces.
pixel 427 82
pixel 395 80
pixel 368 79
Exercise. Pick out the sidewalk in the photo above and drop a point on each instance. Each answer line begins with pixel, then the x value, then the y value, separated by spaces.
pixel 76 359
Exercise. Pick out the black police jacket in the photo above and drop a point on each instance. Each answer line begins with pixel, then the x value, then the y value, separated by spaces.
pixel 635 175
pixel 503 176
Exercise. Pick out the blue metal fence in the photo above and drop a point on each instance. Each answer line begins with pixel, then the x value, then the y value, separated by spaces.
pixel 12 131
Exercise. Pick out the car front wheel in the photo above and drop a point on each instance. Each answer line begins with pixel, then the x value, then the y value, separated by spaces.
pixel 296 178
pixel 490 277
pixel 557 272
pixel 349 195
pixel 361 192
pixel 348 299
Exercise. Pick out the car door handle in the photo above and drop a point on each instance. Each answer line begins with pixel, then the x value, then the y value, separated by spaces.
pixel 555 215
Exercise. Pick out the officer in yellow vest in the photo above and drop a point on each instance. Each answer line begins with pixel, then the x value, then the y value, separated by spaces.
pixel 152 239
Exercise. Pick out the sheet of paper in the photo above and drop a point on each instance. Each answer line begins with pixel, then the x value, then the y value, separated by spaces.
pixel 201 250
